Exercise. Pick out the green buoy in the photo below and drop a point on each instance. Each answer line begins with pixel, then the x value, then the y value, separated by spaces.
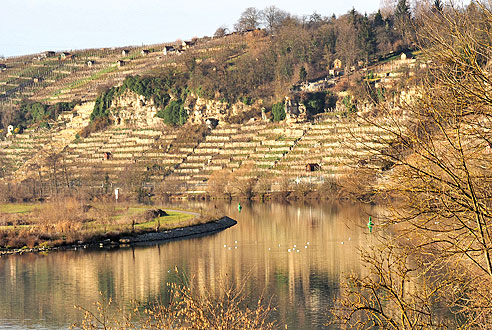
pixel 239 207
pixel 370 224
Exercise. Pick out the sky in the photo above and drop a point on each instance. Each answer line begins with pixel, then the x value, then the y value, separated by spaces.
pixel 32 26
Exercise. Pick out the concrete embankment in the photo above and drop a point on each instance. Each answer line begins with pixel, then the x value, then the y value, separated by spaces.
pixel 204 228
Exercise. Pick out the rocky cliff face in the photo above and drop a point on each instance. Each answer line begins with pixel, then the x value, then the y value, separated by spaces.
pixel 295 112
pixel 199 109
pixel 131 109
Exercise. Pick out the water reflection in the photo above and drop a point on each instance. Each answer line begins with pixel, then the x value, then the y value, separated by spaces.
pixel 297 253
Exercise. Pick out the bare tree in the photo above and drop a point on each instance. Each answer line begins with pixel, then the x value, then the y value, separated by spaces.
pixel 440 147
pixel 347 40
pixel 444 172
pixel 387 7
pixel 250 19
pixel 397 290
pixel 219 184
pixel 52 161
pixel 273 18
pixel 221 31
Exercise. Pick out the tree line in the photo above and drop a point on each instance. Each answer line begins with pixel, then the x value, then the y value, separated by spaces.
pixel 290 49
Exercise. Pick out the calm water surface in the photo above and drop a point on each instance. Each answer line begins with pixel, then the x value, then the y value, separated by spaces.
pixel 39 291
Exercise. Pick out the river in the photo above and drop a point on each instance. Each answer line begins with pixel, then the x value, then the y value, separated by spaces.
pixel 295 254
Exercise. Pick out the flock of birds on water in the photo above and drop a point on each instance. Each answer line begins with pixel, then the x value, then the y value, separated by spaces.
pixel 294 248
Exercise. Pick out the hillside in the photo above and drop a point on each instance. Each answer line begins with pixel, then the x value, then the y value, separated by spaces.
pixel 244 112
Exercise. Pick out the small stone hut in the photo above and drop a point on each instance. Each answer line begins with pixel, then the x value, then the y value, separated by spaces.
pixel 187 44
pixel 65 55
pixel 337 64
pixel 168 50
pixel 312 167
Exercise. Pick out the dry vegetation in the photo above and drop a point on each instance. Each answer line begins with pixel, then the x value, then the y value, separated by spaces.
pixel 242 184
pixel 67 221
pixel 186 310
pixel 436 271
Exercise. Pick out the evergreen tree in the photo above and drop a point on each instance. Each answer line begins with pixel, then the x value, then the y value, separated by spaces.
pixel 278 111
pixel 378 19
pixel 366 38
pixel 302 74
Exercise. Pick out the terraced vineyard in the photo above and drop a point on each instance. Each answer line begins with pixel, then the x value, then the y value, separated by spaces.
pixel 53 78
pixel 156 156
pixel 168 157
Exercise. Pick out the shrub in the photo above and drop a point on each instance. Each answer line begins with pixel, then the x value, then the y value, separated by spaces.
pixel 189 307
pixel 331 100
pixel 349 105
pixel 278 111
pixel 247 100
pixel 174 113
pixel 103 103
pixel 37 112
pixel 98 124
pixel 314 102
pixel 302 74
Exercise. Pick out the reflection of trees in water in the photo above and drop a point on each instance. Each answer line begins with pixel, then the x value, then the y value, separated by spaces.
pixel 302 283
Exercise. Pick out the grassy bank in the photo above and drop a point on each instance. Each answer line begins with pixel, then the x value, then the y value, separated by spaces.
pixel 68 221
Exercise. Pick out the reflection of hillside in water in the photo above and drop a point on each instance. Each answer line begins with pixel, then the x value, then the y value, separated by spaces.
pixel 303 283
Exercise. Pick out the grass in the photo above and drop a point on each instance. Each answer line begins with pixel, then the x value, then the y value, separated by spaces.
pixel 171 221
pixel 95 76
pixel 17 208
pixel 135 211
pixel 83 81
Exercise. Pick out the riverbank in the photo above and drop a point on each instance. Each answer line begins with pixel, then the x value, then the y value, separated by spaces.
pixel 136 238
pixel 71 224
